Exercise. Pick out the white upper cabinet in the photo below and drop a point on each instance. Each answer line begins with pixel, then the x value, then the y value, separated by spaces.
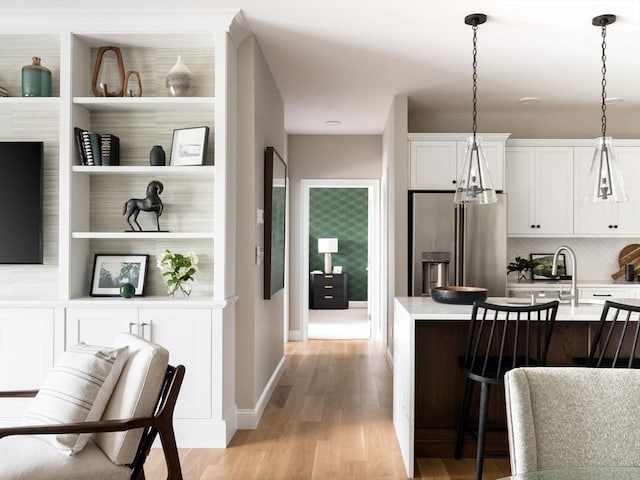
pixel 539 189
pixel 436 159
pixel 607 219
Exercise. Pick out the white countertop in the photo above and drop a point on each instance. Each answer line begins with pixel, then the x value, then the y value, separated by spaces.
pixel 424 308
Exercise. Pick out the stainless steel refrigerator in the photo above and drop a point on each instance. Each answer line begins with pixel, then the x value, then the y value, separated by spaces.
pixel 474 235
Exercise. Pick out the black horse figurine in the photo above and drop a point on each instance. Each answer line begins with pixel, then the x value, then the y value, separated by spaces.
pixel 151 203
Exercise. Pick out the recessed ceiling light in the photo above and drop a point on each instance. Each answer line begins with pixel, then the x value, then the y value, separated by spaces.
pixel 613 100
pixel 333 123
pixel 529 100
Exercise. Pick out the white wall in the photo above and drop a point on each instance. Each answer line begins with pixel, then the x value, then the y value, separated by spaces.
pixel 395 204
pixel 322 157
pixel 260 323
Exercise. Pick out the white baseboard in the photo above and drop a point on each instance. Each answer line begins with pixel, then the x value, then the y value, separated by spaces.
pixel 358 304
pixel 200 433
pixel 248 418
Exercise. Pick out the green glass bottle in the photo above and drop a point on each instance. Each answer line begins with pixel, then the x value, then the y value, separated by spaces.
pixel 36 80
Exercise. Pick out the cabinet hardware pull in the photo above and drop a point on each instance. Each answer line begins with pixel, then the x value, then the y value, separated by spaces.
pixel 328 276
pixel 328 286
pixel 328 297
pixel 602 295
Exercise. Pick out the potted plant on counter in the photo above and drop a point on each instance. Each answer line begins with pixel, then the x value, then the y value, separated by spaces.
pixel 522 265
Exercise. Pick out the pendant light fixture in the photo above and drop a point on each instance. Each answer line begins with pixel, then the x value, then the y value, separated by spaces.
pixel 474 183
pixel 605 179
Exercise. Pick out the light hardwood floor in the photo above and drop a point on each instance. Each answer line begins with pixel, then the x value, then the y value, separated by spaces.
pixel 330 417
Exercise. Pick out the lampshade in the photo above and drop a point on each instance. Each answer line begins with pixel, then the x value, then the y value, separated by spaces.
pixel 327 245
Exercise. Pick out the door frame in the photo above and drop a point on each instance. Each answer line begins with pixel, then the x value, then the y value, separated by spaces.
pixel 374 280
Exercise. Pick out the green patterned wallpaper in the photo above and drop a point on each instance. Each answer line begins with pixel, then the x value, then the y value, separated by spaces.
pixel 341 213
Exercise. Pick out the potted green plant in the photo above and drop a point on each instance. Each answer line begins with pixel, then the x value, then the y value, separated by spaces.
pixel 522 265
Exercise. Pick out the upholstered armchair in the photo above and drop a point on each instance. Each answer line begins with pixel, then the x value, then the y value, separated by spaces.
pixel 563 417
pixel 97 415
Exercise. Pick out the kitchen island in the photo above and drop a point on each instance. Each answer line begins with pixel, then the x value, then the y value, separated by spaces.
pixel 428 384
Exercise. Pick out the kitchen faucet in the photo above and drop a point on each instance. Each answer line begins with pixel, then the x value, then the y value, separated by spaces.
pixel 573 295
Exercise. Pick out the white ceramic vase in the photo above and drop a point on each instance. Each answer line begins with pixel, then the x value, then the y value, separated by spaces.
pixel 179 81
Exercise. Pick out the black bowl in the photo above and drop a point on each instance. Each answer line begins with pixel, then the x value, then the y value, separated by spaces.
pixel 459 295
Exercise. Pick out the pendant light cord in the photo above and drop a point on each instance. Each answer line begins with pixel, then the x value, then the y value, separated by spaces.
pixel 604 81
pixel 475 81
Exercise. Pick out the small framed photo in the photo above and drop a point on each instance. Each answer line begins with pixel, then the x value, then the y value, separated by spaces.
pixel 337 269
pixel 543 271
pixel 189 146
pixel 110 271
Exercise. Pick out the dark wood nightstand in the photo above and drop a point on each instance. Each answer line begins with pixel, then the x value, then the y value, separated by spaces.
pixel 328 290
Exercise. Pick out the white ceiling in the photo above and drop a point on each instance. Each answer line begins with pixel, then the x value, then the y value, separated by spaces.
pixel 345 59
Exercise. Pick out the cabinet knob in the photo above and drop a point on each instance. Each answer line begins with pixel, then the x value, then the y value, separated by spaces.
pixel 454 181
pixel 537 226
pixel 615 226
pixel 610 226
pixel 533 226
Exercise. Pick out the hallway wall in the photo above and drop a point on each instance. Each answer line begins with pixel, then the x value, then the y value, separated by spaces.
pixel 322 157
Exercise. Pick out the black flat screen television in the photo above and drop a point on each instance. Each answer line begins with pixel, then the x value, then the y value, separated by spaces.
pixel 21 209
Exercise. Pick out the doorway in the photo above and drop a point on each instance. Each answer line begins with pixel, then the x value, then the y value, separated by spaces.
pixel 364 307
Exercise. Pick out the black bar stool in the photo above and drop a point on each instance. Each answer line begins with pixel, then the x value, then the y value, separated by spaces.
pixel 615 342
pixel 500 338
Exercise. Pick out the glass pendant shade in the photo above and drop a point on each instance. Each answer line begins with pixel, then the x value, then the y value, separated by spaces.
pixel 474 184
pixel 605 178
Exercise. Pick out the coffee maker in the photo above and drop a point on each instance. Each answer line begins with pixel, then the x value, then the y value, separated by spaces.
pixel 435 271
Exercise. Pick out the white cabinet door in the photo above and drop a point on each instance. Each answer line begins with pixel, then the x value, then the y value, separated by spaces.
pixel 26 356
pixel 99 326
pixel 433 165
pixel 520 188
pixel 554 190
pixel 186 333
pixel 628 218
pixel 540 190
pixel 26 347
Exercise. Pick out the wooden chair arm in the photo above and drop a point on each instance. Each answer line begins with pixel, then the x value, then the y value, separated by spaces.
pixel 80 427
pixel 18 393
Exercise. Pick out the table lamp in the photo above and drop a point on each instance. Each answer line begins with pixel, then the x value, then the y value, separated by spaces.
pixel 327 246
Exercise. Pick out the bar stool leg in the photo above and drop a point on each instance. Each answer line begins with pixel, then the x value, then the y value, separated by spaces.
pixel 482 428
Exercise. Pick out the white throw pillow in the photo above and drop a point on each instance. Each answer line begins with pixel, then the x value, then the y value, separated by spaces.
pixel 77 389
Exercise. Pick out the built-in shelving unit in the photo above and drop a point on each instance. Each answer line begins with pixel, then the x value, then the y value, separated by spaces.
pixel 83 205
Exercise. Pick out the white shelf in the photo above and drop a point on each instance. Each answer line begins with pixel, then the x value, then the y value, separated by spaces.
pixel 145 103
pixel 208 170
pixel 30 103
pixel 145 235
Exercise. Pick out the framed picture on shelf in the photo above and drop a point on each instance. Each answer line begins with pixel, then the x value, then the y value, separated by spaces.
pixel 110 271
pixel 189 146
pixel 543 271
pixel 337 269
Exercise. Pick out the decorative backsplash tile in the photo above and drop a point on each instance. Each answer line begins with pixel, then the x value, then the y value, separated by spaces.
pixel 597 258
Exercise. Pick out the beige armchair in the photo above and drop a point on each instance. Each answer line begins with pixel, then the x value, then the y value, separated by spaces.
pixel 562 417
pixel 113 443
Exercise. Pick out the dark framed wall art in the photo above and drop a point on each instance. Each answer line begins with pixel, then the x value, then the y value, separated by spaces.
pixel 275 209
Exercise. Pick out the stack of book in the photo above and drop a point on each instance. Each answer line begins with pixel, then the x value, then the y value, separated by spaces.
pixel 97 149
pixel 3 92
